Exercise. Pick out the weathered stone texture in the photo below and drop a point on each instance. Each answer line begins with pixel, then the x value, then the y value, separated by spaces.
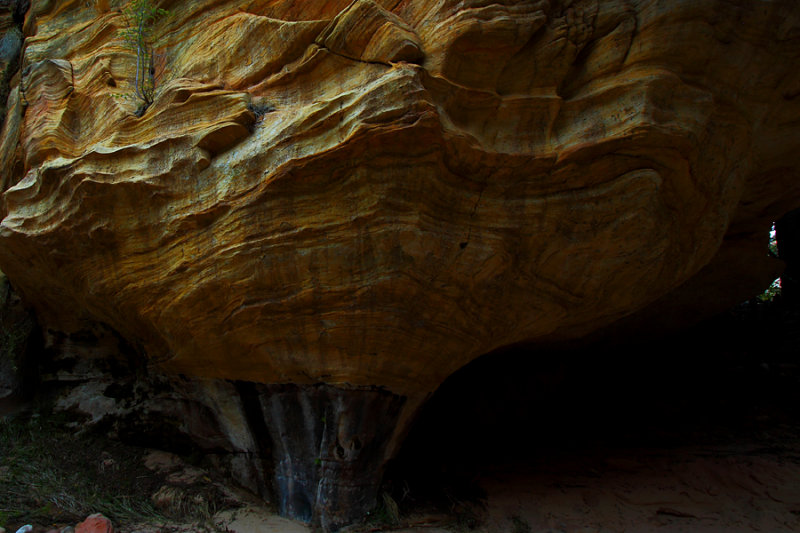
pixel 363 193
pixel 435 180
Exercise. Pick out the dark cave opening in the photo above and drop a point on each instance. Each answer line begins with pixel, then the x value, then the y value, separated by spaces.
pixel 729 377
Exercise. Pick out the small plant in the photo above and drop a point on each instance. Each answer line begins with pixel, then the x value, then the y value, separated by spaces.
pixel 140 17
pixel 49 474
pixel 775 287
pixel 772 291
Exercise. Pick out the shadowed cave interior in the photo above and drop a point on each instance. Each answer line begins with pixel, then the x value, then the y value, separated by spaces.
pixel 729 378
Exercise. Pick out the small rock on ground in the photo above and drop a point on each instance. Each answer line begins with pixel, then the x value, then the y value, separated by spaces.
pixel 161 461
pixel 96 523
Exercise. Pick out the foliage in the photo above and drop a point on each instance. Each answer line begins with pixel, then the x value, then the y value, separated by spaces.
pixel 775 287
pixel 772 291
pixel 54 469
pixel 140 17
pixel 48 475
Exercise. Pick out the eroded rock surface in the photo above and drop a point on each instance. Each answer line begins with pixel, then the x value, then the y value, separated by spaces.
pixel 373 193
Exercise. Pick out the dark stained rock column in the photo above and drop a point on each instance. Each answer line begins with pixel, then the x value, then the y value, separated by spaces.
pixel 330 445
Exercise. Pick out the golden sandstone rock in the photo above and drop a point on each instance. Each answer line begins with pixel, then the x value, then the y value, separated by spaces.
pixel 369 194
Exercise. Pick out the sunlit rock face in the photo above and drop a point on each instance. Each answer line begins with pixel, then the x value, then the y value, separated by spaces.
pixel 370 194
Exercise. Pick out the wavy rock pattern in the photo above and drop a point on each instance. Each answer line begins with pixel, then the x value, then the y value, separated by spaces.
pixel 374 193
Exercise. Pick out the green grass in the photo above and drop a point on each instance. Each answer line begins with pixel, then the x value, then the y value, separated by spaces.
pixel 48 475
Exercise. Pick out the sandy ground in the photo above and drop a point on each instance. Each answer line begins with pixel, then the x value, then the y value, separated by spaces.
pixel 739 487
pixel 702 489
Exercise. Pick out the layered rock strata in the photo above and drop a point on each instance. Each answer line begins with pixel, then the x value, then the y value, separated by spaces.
pixel 339 196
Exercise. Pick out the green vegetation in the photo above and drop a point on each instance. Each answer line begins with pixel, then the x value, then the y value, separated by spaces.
pixel 775 287
pixel 141 16
pixel 772 291
pixel 47 474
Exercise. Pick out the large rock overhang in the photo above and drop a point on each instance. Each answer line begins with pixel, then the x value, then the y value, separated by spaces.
pixel 372 194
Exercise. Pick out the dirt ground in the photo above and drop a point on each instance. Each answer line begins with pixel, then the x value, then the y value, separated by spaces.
pixel 739 487
pixel 730 483
pixel 743 485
